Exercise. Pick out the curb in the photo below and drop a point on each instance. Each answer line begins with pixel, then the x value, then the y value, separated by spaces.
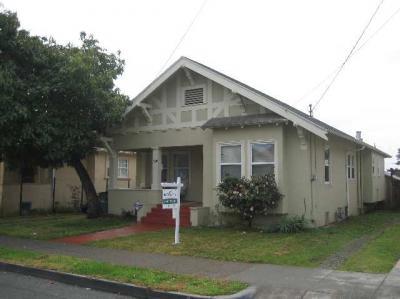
pixel 115 287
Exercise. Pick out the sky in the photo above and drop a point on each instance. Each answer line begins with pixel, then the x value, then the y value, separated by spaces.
pixel 284 48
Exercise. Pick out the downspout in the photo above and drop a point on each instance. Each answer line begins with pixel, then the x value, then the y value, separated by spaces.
pixel 360 180
pixel 312 178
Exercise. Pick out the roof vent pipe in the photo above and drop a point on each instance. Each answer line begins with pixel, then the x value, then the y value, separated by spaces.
pixel 358 136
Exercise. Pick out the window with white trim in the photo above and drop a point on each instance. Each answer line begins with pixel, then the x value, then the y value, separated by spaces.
pixel 230 160
pixel 373 165
pixel 262 158
pixel 327 165
pixel 123 168
pixel 351 169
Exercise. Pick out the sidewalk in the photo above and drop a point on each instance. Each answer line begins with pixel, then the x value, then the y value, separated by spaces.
pixel 272 281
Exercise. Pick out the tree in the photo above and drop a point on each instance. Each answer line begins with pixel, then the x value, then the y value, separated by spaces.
pixel 55 100
pixel 249 197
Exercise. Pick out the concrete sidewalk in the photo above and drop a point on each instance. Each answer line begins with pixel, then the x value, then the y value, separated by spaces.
pixel 272 281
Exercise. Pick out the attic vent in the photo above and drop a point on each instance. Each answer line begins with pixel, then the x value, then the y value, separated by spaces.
pixel 194 96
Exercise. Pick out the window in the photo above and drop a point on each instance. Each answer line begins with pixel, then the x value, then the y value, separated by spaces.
pixel 181 167
pixel 28 174
pixel 194 96
pixel 373 165
pixel 262 158
pixel 350 165
pixel 231 161
pixel 327 165
pixel 122 168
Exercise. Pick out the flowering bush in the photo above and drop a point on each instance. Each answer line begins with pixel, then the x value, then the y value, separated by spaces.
pixel 249 197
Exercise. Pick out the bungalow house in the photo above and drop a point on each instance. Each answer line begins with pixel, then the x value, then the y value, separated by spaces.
pixel 197 123
pixel 37 183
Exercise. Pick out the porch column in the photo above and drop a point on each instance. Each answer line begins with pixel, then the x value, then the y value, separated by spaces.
pixel 113 165
pixel 113 170
pixel 156 168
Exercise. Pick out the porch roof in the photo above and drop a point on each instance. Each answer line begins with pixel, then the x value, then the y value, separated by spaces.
pixel 243 120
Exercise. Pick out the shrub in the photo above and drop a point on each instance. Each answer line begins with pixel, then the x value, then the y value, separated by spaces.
pixel 290 224
pixel 249 197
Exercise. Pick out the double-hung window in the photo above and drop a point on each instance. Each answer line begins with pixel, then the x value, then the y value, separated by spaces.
pixel 122 168
pixel 327 165
pixel 262 158
pixel 351 171
pixel 231 160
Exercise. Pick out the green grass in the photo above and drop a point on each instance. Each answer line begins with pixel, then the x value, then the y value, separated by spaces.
pixel 142 277
pixel 56 226
pixel 307 249
pixel 379 255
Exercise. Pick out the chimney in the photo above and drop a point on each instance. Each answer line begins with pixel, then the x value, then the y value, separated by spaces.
pixel 358 136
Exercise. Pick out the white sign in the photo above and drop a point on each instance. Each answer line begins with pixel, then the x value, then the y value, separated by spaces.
pixel 171 199
pixel 169 194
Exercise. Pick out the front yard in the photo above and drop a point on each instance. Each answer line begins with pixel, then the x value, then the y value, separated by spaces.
pixel 159 280
pixel 307 249
pixel 57 226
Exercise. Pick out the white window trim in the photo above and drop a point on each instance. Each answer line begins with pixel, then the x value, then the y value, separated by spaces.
pixel 127 168
pixel 327 147
pixel 205 94
pixel 351 166
pixel 250 156
pixel 219 164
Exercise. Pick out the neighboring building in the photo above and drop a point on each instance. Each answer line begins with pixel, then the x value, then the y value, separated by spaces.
pixel 37 188
pixel 201 125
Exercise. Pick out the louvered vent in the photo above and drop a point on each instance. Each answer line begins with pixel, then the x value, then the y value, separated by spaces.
pixel 194 96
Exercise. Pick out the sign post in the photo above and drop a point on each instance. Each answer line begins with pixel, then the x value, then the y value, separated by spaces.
pixel 171 199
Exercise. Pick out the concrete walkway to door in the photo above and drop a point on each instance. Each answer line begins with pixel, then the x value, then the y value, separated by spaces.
pixel 271 281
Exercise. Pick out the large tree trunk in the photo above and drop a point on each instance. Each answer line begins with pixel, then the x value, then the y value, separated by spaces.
pixel 94 208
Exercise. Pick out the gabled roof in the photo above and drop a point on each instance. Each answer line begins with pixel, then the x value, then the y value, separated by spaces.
pixel 296 116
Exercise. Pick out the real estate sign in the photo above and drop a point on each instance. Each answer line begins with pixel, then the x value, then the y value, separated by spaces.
pixel 171 199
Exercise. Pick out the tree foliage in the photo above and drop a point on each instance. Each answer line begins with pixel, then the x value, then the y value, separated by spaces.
pixel 249 197
pixel 55 100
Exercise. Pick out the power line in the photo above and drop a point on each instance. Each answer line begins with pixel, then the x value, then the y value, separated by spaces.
pixel 356 51
pixel 348 56
pixel 184 35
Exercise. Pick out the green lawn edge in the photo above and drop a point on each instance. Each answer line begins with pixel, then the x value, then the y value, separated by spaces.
pixel 54 226
pixel 306 249
pixel 154 279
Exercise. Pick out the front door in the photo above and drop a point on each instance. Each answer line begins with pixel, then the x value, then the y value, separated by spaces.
pixel 176 164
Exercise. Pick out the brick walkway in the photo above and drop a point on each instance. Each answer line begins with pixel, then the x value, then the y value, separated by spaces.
pixel 111 233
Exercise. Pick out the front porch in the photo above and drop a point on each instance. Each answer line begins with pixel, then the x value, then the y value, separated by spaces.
pixel 153 166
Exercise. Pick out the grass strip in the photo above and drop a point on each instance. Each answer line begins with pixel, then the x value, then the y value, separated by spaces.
pixel 379 255
pixel 158 280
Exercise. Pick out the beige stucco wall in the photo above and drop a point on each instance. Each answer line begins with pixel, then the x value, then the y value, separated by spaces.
pixel 68 185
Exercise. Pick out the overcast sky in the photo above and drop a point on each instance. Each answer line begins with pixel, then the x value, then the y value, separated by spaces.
pixel 284 48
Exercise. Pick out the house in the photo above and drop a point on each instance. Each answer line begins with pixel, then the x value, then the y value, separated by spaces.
pixel 197 123
pixel 37 186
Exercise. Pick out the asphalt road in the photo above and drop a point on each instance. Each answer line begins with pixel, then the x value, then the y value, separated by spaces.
pixel 18 286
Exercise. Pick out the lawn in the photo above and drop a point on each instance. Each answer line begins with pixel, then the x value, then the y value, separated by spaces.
pixel 153 279
pixel 307 249
pixel 56 226
pixel 379 255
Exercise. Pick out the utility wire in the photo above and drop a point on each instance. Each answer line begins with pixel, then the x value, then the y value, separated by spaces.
pixel 184 35
pixel 356 51
pixel 348 56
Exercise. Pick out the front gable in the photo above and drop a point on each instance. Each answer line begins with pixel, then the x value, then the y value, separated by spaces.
pixel 192 73
pixel 188 99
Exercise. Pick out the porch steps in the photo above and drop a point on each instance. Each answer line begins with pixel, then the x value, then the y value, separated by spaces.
pixel 158 215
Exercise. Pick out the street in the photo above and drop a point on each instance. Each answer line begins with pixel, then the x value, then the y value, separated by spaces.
pixel 20 286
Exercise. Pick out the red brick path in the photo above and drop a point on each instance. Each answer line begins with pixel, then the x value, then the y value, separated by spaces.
pixel 112 233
